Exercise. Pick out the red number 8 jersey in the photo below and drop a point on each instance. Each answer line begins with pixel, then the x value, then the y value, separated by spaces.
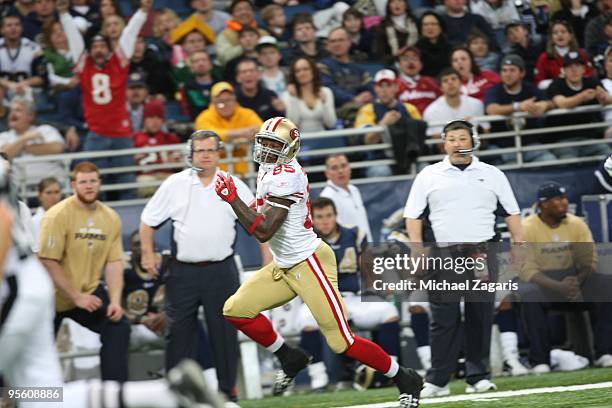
pixel 104 97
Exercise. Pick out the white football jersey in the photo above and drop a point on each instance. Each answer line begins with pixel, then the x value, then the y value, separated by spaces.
pixel 295 240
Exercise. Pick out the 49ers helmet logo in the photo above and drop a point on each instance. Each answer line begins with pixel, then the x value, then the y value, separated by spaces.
pixel 294 133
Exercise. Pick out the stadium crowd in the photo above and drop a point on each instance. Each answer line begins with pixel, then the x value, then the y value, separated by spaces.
pixel 321 64
pixel 86 75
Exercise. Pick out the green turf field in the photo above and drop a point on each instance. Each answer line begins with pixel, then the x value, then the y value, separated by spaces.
pixel 586 398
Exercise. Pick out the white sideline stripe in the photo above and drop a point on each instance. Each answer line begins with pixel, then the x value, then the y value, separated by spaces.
pixel 496 395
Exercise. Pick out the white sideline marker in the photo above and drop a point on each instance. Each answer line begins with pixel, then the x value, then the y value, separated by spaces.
pixel 494 395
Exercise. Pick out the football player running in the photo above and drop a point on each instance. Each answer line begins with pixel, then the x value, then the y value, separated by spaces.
pixel 303 265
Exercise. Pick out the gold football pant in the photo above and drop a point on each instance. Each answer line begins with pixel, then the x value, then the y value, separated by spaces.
pixel 315 280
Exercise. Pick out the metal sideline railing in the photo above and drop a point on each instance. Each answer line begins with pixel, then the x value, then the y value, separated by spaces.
pixel 517 133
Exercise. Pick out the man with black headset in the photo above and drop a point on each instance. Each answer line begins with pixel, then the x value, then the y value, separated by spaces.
pixel 461 196
pixel 202 270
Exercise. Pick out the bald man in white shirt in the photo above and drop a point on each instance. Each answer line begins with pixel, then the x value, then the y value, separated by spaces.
pixel 346 197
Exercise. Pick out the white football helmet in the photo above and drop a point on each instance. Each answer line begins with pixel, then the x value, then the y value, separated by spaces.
pixel 278 129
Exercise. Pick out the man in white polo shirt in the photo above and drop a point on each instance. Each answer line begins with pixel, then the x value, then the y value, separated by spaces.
pixel 452 104
pixel 346 197
pixel 461 196
pixel 202 271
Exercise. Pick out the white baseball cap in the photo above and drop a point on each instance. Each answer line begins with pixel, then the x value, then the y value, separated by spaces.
pixel 385 75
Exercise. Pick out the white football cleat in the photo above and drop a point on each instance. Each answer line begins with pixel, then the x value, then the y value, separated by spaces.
pixel 431 391
pixel 604 361
pixel 565 360
pixel 483 385
pixel 515 368
pixel 541 369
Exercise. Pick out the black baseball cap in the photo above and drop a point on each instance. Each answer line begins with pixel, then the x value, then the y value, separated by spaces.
pixel 550 190
pixel 573 57
pixel 137 78
pixel 514 59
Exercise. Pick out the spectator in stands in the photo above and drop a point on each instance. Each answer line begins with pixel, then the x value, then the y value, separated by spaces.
pixel 497 13
pixel 275 20
pixel 152 134
pixel 387 110
pixel 21 62
pixel 362 38
pixel 197 90
pixel 166 20
pixel 607 86
pixel 561 41
pixel 310 105
pixel 104 100
pixel 59 60
pixel 243 15
pixel 44 13
pixel 451 105
pixel 475 80
pixel 433 44
pixel 205 11
pixel 561 277
pixel 233 123
pixel 598 31
pixel 569 92
pixel 577 13
pixel 85 14
pixel 269 57
pixel 483 57
pixel 248 38
pixel 49 194
pixel 346 197
pixel 24 139
pixel 251 94
pixel 305 42
pixel 519 42
pixel 77 225
pixel 109 8
pixel 513 94
pixel 349 82
pixel 157 72
pixel 24 9
pixel 460 23
pixel 112 27
pixel 192 36
pixel 397 30
pixel 419 90
pixel 137 95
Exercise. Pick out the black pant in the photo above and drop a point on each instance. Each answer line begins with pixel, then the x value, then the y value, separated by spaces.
pixel 448 333
pixel 187 287
pixel 535 308
pixel 115 336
